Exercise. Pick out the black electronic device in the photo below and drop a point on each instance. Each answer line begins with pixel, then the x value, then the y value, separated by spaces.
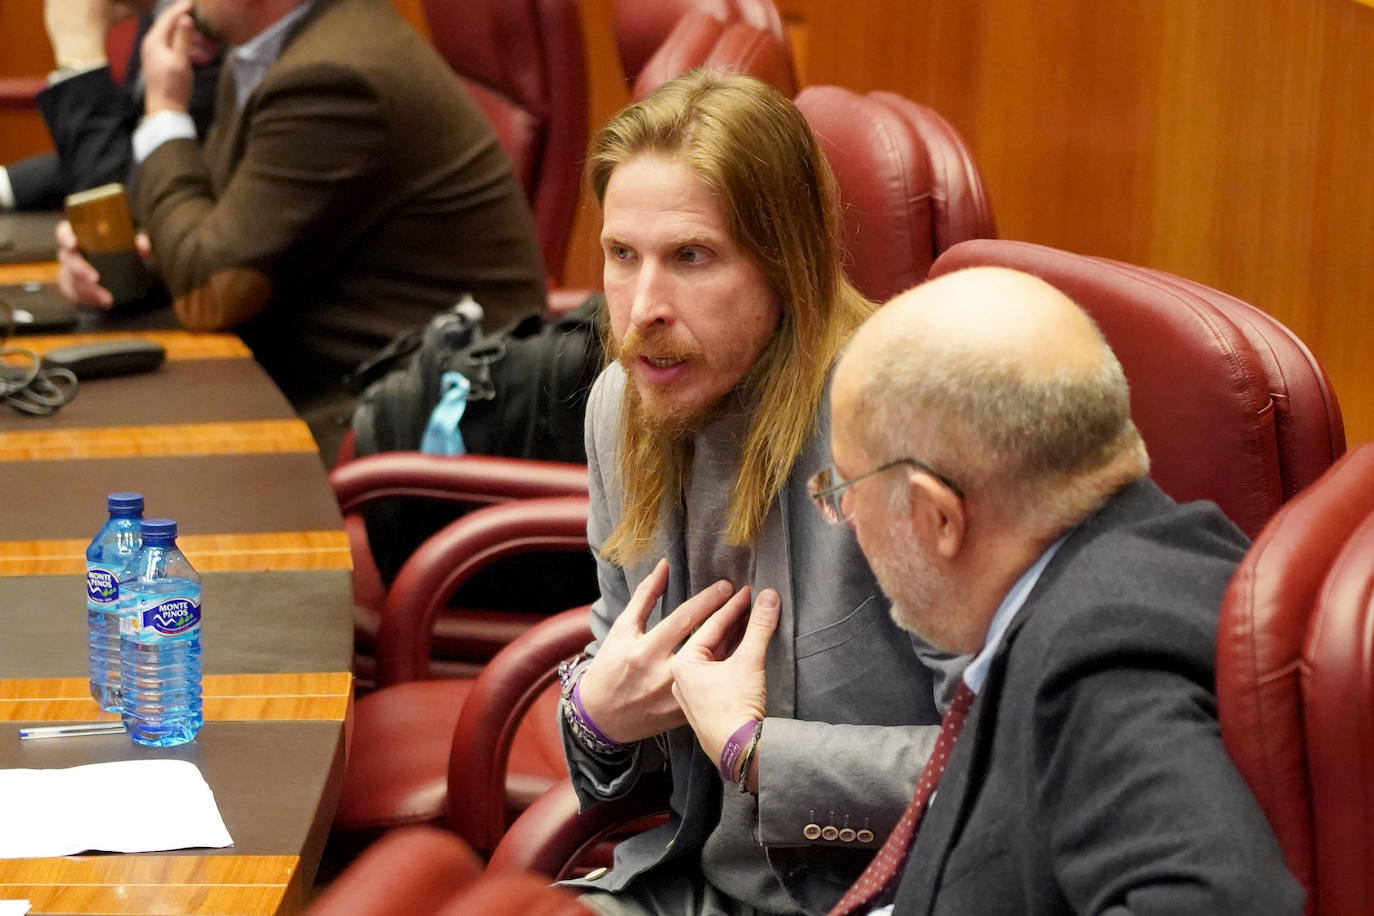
pixel 107 357
pixel 35 308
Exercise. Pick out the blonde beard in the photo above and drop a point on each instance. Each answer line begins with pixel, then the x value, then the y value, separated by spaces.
pixel 669 425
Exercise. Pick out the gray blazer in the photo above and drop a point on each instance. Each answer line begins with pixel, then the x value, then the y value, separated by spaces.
pixel 851 717
pixel 1090 776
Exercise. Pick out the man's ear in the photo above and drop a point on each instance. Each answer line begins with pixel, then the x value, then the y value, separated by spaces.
pixel 942 513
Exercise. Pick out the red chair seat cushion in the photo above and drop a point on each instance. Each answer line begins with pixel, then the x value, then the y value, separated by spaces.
pixel 398 763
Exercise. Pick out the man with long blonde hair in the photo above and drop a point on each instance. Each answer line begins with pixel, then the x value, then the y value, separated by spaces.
pixel 727 311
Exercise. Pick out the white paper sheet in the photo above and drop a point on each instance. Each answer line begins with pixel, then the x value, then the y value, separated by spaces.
pixel 14 907
pixel 125 806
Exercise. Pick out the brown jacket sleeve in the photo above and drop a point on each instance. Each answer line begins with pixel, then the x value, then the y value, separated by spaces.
pixel 313 143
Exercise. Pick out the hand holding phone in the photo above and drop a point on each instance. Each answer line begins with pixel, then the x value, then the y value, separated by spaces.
pixel 104 229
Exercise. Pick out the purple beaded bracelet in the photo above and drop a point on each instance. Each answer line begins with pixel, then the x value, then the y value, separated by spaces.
pixel 730 755
pixel 586 721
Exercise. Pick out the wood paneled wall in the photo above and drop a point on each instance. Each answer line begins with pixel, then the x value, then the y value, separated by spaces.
pixel 1228 141
pixel 24 51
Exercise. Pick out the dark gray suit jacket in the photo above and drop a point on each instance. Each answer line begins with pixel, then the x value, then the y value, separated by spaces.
pixel 1091 776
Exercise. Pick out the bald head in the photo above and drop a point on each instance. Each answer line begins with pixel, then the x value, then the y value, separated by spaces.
pixel 1005 316
pixel 997 378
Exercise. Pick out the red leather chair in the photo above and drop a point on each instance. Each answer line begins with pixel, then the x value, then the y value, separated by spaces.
pixel 526 64
pixel 420 870
pixel 641 26
pixel 461 641
pixel 908 183
pixel 1294 660
pixel 702 40
pixel 1338 688
pixel 552 838
pixel 1234 408
pixel 412 871
pixel 408 737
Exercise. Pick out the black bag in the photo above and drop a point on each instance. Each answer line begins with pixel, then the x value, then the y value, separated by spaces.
pixel 528 397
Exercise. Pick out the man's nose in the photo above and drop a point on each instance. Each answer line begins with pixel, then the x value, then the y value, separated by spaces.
pixel 652 304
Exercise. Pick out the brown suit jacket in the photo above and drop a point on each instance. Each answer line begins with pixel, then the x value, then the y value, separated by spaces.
pixel 359 190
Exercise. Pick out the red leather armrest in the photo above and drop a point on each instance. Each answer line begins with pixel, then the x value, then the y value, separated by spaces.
pixel 469 479
pixel 551 836
pixel 19 91
pixel 449 558
pixel 507 686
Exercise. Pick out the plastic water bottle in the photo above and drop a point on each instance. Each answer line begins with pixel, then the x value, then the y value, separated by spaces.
pixel 113 546
pixel 159 624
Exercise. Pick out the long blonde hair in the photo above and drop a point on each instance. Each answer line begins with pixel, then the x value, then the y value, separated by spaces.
pixel 751 146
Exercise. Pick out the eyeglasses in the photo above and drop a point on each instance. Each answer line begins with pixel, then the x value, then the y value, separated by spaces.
pixel 826 487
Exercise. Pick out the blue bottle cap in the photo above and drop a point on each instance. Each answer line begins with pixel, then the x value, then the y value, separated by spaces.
pixel 124 502
pixel 159 530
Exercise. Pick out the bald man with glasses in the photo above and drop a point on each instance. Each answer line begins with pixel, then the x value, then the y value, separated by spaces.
pixel 1080 767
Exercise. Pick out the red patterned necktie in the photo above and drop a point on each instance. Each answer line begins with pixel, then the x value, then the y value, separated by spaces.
pixel 887 864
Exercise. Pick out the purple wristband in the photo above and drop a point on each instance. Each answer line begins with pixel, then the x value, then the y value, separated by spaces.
pixel 581 710
pixel 730 755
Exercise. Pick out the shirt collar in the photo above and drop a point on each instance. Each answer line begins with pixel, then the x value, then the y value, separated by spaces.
pixel 977 671
pixel 251 59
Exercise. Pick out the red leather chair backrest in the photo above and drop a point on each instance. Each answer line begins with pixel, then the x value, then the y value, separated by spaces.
pixel 410 870
pixel 641 26
pixel 450 557
pixel 119 44
pixel 701 40
pixel 1201 394
pixel 907 183
pixel 960 209
pixel 1261 641
pixel 526 64
pixel 1307 419
pixel 1338 692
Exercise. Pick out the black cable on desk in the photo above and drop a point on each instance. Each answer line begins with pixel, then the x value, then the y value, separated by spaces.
pixel 29 387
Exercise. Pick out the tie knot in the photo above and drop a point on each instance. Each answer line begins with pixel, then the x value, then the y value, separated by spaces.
pixel 963 700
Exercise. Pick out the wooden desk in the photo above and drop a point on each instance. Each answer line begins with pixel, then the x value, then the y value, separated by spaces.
pixel 210 442
pixel 27 273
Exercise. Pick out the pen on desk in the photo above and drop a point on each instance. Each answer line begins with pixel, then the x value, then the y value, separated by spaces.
pixel 68 731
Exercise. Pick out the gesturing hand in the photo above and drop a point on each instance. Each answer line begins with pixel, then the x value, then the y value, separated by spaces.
pixel 719 689
pixel 627 689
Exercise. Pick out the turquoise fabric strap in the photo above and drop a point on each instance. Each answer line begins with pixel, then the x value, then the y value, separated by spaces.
pixel 442 436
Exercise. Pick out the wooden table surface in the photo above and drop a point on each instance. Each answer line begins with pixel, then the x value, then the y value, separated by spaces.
pixel 210 442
